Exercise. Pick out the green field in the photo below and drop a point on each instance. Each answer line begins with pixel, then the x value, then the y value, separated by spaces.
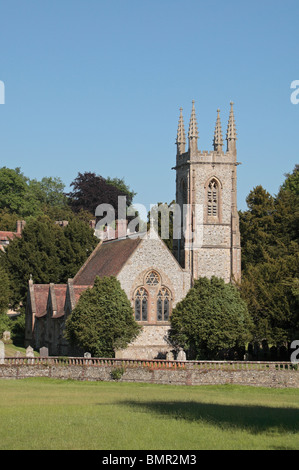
pixel 55 414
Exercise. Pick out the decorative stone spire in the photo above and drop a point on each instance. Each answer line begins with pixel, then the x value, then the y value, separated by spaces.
pixel 231 135
pixel 193 130
pixel 181 136
pixel 218 139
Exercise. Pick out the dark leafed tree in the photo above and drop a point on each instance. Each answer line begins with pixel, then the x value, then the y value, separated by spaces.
pixel 91 190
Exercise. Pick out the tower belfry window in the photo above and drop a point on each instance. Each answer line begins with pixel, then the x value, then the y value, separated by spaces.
pixel 213 198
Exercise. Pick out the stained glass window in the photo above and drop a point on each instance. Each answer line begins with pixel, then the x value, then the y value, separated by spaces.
pixel 163 304
pixel 141 304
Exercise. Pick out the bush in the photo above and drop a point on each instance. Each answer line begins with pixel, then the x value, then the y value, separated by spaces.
pixel 5 324
pixel 117 373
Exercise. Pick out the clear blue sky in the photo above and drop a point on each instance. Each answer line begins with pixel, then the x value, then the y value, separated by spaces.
pixel 96 85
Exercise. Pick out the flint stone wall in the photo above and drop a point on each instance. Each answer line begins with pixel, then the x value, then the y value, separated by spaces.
pixel 265 374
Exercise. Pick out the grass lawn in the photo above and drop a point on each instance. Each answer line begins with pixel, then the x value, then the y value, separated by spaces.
pixel 55 414
pixel 11 350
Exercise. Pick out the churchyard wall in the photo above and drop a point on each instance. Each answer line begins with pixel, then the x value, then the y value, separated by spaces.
pixel 265 374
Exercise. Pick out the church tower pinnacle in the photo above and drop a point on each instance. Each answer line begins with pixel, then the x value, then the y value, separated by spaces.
pixel 181 136
pixel 231 135
pixel 218 139
pixel 193 131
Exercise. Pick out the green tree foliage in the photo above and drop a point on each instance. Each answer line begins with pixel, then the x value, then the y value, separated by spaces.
pixel 5 322
pixel 120 184
pixel 4 290
pixel 291 182
pixel 211 320
pixel 24 197
pixel 270 260
pixel 49 192
pixel 103 320
pixel 8 221
pixel 161 216
pixel 47 252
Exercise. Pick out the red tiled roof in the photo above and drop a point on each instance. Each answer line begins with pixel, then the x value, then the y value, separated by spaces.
pixel 41 292
pixel 107 259
pixel 4 236
pixel 78 290
pixel 60 291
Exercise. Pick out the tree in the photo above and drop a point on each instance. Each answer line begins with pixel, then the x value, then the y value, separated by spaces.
pixel 291 182
pixel 4 291
pixel 211 320
pixel 120 184
pixel 270 259
pixel 49 191
pixel 48 252
pixel 14 194
pixel 8 221
pixel 103 320
pixel 162 217
pixel 28 198
pixel 5 322
pixel 257 226
pixel 80 242
pixel 91 190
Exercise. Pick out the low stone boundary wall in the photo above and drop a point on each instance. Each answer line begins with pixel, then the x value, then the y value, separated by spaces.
pixel 266 374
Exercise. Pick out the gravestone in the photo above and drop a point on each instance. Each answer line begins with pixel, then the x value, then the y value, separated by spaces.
pixel 2 352
pixel 170 356
pixel 6 336
pixel 29 352
pixel 181 355
pixel 44 352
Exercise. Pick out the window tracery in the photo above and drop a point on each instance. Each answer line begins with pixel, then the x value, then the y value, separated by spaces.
pixel 152 278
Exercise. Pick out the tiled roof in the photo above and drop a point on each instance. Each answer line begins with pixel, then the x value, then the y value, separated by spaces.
pixel 60 291
pixel 41 292
pixel 4 236
pixel 107 259
pixel 78 290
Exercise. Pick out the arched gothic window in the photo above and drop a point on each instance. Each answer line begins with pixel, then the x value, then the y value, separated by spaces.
pixel 152 301
pixel 213 199
pixel 141 304
pixel 163 304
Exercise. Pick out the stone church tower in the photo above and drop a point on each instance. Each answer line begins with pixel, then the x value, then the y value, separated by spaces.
pixel 206 193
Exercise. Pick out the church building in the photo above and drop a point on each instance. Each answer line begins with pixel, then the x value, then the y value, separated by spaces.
pixel 154 279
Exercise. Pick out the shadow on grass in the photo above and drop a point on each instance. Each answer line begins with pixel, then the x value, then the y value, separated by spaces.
pixel 253 419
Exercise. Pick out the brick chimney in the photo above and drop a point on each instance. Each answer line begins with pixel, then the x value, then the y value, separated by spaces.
pixel 121 228
pixel 20 226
